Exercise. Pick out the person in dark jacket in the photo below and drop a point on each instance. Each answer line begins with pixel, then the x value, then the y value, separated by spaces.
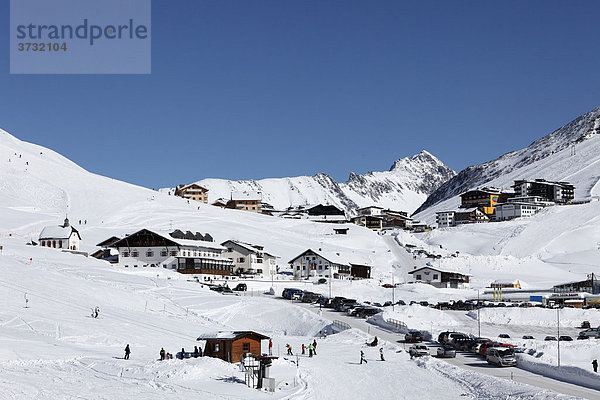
pixel 196 352
pixel 163 354
pixel 362 357
pixel 315 347
pixel 381 354
pixel 127 352
pixel 595 365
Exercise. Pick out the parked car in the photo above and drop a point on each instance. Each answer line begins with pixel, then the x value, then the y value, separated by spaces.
pixel 485 346
pixel 461 342
pixel 413 337
pixel 288 292
pixel 501 356
pixel 590 333
pixel 222 289
pixel 336 301
pixel 527 337
pixel 550 338
pixel 297 295
pixel 585 325
pixel 446 352
pixel 346 304
pixel 241 287
pixel 565 338
pixel 418 350
pixel 504 336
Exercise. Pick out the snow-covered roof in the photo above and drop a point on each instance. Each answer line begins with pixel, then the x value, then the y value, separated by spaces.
pixel 338 257
pixel 248 247
pixel 228 335
pixel 192 243
pixel 57 232
pixel 251 196
pixel 437 269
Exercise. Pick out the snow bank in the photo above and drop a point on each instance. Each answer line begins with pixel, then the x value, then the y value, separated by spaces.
pixel 565 373
pixel 544 317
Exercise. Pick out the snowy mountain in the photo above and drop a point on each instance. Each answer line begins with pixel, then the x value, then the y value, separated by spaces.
pixel 404 187
pixel 571 153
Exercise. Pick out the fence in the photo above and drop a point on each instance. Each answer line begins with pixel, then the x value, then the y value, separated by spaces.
pixel 398 325
pixel 339 326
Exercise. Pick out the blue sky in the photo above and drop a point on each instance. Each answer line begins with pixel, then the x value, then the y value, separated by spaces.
pixel 253 89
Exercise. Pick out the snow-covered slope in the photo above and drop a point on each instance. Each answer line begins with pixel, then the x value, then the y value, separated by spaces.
pixel 404 187
pixel 571 153
pixel 38 187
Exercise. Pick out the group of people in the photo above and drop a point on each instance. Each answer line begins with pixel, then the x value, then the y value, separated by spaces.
pixel 363 359
pixel 312 348
pixel 164 355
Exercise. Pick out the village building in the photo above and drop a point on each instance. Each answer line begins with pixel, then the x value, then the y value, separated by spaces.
pixel 327 213
pixel 220 202
pixel 445 219
pixel 484 199
pixel 370 210
pixel 440 278
pixel 60 237
pixel 192 192
pixel 232 346
pixel 341 231
pixel 419 227
pixel 328 264
pixel 105 252
pixel 473 215
pixel 500 284
pixel 590 285
pixel 187 253
pixel 369 222
pixel 377 218
pixel 515 209
pixel 249 259
pixel 245 201
pixel 558 192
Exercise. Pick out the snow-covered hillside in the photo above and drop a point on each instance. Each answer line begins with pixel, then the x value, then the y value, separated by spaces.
pixel 571 153
pixel 38 187
pixel 404 187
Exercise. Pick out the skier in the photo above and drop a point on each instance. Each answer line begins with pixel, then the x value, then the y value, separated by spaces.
pixel 96 312
pixel 315 346
pixel 595 365
pixel 362 357
pixel 289 350
pixel 325 335
pixel 311 350
pixel 127 352
pixel 303 349
pixel 381 354
pixel 182 353
pixel 163 354
pixel 270 347
pixel 196 353
pixel 320 334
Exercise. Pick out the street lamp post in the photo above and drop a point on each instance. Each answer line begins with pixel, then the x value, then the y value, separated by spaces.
pixel 393 290
pixel 558 332
pixel 478 319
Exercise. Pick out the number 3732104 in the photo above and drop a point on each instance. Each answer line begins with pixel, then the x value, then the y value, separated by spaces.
pixel 55 47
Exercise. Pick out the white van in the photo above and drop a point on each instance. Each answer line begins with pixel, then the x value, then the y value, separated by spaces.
pixel 501 356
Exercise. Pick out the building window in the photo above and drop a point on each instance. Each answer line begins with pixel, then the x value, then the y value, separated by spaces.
pixel 241 260
pixel 246 347
pixel 135 253
pixel 60 244
pixel 216 347
pixel 435 276
pixel 125 254
pixel 418 277
pixel 173 253
pixel 149 253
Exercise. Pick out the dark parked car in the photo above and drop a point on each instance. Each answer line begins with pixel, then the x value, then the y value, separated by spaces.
pixel 413 337
pixel 443 337
pixel 565 338
pixel 346 304
pixel 222 289
pixel 288 292
pixel 527 337
pixel 241 287
pixel 549 338
pixel 504 336
pixel 336 301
